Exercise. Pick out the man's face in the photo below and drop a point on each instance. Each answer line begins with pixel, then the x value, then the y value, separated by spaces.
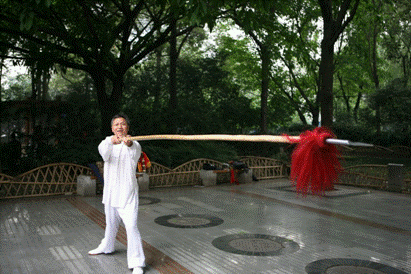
pixel 120 127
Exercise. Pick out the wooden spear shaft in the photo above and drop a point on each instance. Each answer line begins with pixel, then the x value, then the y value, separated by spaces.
pixel 238 138
pixel 216 137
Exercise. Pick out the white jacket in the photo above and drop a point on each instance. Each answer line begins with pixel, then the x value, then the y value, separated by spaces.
pixel 120 164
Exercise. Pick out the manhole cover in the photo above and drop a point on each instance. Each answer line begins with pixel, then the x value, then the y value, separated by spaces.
pixel 147 201
pixel 351 269
pixel 342 266
pixel 188 221
pixel 255 245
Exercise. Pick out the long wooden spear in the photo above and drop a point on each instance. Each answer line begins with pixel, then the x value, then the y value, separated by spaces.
pixel 315 162
pixel 240 138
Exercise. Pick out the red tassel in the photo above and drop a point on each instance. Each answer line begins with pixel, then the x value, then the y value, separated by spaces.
pixel 314 163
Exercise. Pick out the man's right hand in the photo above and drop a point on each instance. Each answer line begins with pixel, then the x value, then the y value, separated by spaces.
pixel 116 140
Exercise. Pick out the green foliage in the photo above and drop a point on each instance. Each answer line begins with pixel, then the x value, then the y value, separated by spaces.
pixel 79 151
pixel 27 14
pixel 394 100
pixel 104 39
pixel 207 101
pixel 76 134
pixel 219 88
pixel 396 38
pixel 353 132
pixel 16 88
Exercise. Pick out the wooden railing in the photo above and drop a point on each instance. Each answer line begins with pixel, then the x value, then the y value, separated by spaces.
pixel 184 175
pixel 189 173
pixel 61 178
pixel 46 180
pixel 371 176
pixel 265 168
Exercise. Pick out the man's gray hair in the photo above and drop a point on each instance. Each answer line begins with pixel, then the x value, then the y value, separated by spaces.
pixel 120 115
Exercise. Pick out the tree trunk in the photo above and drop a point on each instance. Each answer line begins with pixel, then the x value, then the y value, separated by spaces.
pixel 265 76
pixel 357 106
pixel 1 100
pixel 45 80
pixel 157 91
pixel 344 95
pixel 109 105
pixel 173 79
pixel 376 79
pixel 326 79
pixel 332 28
pixel 34 83
pixel 316 116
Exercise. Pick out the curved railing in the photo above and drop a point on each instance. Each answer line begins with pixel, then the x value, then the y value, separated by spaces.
pixel 372 176
pixel 189 172
pixel 52 179
pixel 61 178
pixel 265 168
pixel 5 178
pixel 183 175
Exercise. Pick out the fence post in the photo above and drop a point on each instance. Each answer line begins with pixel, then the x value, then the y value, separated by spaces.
pixel 395 177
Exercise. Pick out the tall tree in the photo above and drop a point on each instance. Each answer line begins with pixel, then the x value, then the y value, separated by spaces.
pixel 361 64
pixel 295 71
pixel 258 21
pixel 336 16
pixel 1 91
pixel 174 53
pixel 104 38
pixel 397 41
pixel 243 67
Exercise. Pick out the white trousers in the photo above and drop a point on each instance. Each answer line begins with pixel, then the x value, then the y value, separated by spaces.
pixel 128 214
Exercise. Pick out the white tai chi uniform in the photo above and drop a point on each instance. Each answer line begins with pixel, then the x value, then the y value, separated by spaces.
pixel 120 198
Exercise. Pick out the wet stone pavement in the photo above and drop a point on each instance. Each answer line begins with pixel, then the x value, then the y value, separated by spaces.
pixel 263 227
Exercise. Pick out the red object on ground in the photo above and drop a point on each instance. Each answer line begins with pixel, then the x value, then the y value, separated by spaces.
pixel 232 176
pixel 314 164
pixel 143 162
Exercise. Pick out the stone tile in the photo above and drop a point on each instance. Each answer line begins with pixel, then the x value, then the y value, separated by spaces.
pixel 361 228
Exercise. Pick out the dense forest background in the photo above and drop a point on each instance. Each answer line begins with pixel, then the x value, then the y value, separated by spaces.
pixel 197 67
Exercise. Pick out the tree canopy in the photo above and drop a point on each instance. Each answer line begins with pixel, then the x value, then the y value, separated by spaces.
pixel 176 67
pixel 103 38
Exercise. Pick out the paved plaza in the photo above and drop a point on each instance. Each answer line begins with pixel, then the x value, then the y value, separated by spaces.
pixel 262 227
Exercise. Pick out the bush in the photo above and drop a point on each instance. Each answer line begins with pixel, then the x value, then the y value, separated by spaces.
pixel 82 152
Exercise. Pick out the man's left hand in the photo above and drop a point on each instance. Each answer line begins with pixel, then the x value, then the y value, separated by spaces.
pixel 127 141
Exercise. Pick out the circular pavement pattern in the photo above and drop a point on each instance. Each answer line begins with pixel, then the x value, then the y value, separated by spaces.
pixel 255 244
pixel 188 221
pixel 342 266
pixel 147 200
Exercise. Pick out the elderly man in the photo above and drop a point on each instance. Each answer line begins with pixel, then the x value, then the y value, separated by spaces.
pixel 120 194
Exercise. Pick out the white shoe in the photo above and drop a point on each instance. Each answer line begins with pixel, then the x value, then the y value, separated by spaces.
pixel 138 270
pixel 97 251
